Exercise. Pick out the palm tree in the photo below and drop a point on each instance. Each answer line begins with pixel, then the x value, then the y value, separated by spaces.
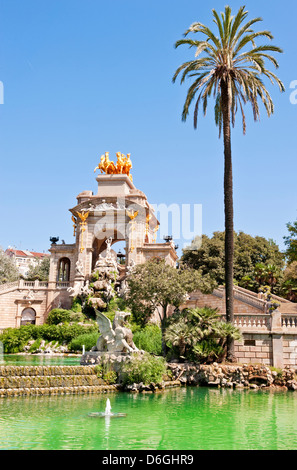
pixel 228 66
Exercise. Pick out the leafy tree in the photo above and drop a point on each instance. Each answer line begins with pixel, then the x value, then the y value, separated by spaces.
pixel 155 285
pixel 8 269
pixel 291 242
pixel 228 66
pixel 40 271
pixel 289 285
pixel 257 261
pixel 199 334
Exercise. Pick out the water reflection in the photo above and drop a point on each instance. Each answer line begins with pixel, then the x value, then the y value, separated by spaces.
pixel 42 359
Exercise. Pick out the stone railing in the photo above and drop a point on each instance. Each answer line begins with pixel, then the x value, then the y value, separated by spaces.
pixel 8 286
pixel 24 284
pixel 250 299
pixel 244 295
pixel 248 322
pixel 35 285
pixel 62 285
pixel 289 322
pixel 266 322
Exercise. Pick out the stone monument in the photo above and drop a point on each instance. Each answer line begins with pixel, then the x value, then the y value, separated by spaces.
pixel 114 343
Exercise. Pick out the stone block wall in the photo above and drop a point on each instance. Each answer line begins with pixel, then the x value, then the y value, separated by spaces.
pixel 290 350
pixel 259 352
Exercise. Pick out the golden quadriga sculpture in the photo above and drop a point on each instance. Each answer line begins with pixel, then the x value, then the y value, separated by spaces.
pixel 122 166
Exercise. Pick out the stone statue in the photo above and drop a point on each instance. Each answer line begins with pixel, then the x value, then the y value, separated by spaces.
pixel 108 242
pixel 79 268
pixel 114 337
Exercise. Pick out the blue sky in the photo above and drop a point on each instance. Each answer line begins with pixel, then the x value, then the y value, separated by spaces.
pixel 82 77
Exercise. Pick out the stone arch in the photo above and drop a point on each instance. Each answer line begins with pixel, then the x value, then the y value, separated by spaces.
pixel 28 316
pixel 63 270
pixel 99 244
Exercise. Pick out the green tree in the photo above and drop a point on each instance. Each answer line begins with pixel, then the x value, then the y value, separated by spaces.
pixel 8 269
pixel 289 284
pixel 199 334
pixel 229 66
pixel 250 253
pixel 155 286
pixel 40 271
pixel 291 242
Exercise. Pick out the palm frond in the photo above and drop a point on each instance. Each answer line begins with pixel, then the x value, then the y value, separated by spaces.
pixel 229 54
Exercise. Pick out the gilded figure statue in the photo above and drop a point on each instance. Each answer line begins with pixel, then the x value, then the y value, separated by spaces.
pixel 122 166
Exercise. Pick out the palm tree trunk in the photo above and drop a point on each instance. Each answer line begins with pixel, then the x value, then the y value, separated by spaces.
pixel 228 205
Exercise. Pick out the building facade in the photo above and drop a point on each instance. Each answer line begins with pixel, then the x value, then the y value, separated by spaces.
pixel 24 259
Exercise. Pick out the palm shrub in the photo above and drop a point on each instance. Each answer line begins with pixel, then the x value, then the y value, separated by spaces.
pixel 199 334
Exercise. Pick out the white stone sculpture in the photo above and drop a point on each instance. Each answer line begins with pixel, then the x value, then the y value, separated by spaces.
pixel 114 338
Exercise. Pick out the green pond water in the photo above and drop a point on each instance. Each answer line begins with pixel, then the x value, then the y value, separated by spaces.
pixel 190 418
pixel 38 360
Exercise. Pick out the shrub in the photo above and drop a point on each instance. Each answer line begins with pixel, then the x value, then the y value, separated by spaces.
pixel 104 371
pixel 144 368
pixel 87 339
pixel 149 338
pixel 76 305
pixel 58 315
pixel 14 339
pixel 110 377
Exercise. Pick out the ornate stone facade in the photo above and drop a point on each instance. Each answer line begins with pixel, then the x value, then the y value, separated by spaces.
pixel 117 212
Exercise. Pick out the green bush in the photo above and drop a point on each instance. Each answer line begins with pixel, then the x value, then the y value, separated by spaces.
pixel 149 339
pixel 14 339
pixel 144 368
pixel 58 315
pixel 35 345
pixel 76 305
pixel 110 377
pixel 88 340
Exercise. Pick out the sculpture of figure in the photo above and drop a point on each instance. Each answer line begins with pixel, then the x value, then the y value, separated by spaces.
pixel 109 166
pixel 108 249
pixel 116 337
pixel 101 165
pixel 30 295
pixel 130 267
pixel 123 165
pixel 79 268
pixel 128 166
pixel 120 162
pixel 86 289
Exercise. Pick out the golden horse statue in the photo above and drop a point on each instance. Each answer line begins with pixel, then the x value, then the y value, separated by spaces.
pixel 123 165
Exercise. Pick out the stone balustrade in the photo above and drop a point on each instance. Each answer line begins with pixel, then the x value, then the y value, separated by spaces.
pixel 289 322
pixel 250 322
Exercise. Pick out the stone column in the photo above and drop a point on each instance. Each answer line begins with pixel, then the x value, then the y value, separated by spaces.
pixel 277 340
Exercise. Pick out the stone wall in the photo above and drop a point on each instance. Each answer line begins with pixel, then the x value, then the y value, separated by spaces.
pixel 234 376
pixel 254 348
pixel 51 380
pixel 65 380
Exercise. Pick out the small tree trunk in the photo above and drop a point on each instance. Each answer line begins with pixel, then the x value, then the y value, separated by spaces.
pixel 228 205
pixel 163 326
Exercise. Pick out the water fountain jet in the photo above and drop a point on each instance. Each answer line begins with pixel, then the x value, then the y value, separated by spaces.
pixel 107 413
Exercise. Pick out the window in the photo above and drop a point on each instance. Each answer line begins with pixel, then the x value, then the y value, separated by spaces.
pixel 63 274
pixel 28 316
